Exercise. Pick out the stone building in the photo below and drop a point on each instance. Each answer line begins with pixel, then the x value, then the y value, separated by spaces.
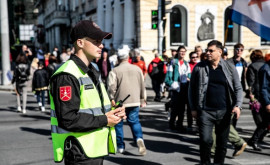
pixel 189 23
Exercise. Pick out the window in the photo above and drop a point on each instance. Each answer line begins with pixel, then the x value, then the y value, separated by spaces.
pixel 231 29
pixel 264 42
pixel 26 32
pixel 178 26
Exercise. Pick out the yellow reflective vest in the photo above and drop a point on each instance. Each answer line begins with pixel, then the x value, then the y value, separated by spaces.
pixel 96 143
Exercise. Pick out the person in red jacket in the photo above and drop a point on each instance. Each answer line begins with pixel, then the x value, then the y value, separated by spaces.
pixel 140 63
pixel 157 71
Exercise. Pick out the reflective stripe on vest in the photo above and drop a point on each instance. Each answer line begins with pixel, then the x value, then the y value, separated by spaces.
pixel 95 143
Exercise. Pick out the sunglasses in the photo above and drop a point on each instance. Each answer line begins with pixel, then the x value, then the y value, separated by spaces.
pixel 209 50
pixel 239 49
pixel 95 42
pixel 194 57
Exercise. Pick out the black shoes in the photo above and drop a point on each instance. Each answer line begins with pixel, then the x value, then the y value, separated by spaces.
pixel 255 146
pixel 157 99
pixel 239 150
pixel 167 106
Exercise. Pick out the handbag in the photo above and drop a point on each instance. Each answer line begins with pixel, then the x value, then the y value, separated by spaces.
pixel 255 105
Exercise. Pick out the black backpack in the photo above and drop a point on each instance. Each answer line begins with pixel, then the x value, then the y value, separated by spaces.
pixel 158 71
pixel 22 73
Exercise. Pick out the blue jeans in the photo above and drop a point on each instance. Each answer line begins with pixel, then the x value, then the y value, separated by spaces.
pixel 134 124
pixel 42 97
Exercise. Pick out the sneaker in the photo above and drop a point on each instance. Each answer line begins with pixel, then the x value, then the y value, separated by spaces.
pixel 239 150
pixel 39 104
pixel 24 111
pixel 42 109
pixel 121 150
pixel 141 146
pixel 19 109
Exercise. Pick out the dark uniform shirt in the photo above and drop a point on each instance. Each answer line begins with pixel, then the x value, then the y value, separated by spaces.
pixel 67 111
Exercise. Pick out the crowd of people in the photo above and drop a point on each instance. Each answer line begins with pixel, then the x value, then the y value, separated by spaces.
pixel 206 74
pixel 32 72
pixel 191 86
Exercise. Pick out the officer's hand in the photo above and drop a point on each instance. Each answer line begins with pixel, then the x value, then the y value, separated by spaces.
pixel 112 119
pixel 237 111
pixel 121 113
pixel 194 114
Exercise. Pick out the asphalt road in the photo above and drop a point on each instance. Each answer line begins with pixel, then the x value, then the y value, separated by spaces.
pixel 25 139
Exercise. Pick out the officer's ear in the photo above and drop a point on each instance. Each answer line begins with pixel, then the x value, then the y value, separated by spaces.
pixel 80 43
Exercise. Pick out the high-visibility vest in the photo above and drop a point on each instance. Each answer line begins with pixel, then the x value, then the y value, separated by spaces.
pixel 96 143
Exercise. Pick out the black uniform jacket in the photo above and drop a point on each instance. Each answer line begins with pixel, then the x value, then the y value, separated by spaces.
pixel 67 110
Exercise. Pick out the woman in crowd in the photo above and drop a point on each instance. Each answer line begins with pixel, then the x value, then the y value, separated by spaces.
pixel 20 77
pixel 104 66
pixel 257 60
pixel 40 85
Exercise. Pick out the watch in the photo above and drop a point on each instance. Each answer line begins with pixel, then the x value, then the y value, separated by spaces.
pixel 239 107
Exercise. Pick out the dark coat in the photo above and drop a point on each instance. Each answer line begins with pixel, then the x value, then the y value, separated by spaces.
pixel 99 64
pixel 40 79
pixel 264 81
pixel 253 77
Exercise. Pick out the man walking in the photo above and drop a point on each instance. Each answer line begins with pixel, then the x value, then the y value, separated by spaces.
pixel 81 117
pixel 209 78
pixel 127 79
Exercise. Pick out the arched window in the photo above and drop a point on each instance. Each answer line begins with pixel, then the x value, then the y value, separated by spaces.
pixel 231 29
pixel 178 24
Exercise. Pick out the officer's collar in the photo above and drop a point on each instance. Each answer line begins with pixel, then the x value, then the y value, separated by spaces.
pixel 79 63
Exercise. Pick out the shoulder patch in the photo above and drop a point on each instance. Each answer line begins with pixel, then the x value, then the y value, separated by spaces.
pixel 65 93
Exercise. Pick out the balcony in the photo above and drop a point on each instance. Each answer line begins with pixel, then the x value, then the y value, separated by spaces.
pixel 57 18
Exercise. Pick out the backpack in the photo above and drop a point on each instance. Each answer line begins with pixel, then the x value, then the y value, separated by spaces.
pixel 22 75
pixel 158 70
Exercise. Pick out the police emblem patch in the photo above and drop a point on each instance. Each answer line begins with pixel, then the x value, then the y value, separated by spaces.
pixel 65 93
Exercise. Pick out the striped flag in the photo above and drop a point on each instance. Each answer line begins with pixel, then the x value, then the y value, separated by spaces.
pixel 254 14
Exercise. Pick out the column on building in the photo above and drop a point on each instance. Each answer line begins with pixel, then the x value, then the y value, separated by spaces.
pixel 108 21
pixel 48 41
pixel 118 24
pixel 100 14
pixel 129 23
pixel 57 37
pixel 52 37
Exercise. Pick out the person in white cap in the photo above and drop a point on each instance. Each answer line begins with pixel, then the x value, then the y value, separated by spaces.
pixel 127 79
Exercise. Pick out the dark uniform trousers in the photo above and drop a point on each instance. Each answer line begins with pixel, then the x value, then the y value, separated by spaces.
pixel 74 155
pixel 207 119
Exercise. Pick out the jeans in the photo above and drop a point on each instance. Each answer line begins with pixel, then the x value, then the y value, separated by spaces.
pixel 134 124
pixel 23 96
pixel 207 120
pixel 42 97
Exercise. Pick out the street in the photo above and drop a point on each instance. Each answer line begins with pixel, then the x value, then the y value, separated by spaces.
pixel 25 139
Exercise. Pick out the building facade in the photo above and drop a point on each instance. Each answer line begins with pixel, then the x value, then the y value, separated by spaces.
pixel 189 23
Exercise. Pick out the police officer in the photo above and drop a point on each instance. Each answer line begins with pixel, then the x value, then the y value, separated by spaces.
pixel 81 117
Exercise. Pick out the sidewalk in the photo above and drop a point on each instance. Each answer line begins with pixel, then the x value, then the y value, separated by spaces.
pixel 9 88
